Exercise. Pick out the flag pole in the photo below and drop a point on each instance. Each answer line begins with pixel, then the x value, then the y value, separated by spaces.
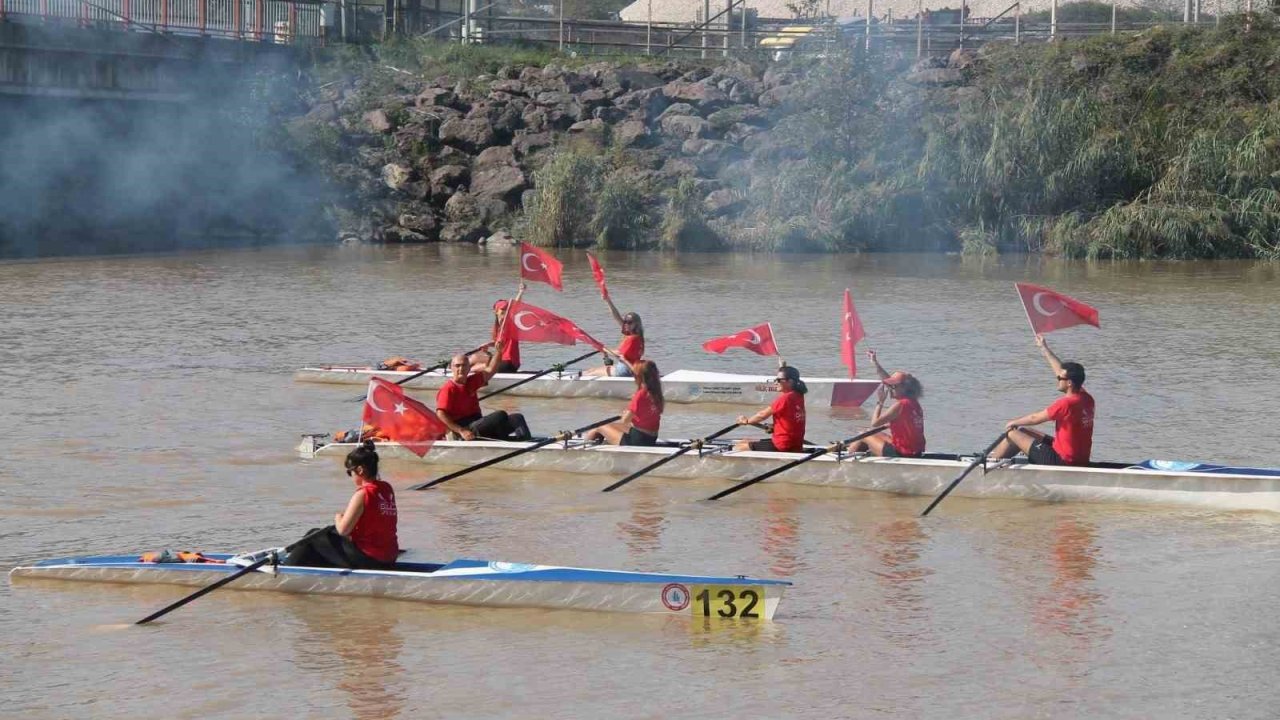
pixel 1025 311
pixel 772 334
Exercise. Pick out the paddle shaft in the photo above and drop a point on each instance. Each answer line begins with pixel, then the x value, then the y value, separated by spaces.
pixel 433 368
pixel 800 461
pixel 494 461
pixel 691 446
pixel 977 461
pixel 537 375
pixel 226 580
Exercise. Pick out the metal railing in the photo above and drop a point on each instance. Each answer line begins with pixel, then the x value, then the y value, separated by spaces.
pixel 282 22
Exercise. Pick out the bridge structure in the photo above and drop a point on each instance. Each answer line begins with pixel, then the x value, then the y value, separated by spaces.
pixel 146 50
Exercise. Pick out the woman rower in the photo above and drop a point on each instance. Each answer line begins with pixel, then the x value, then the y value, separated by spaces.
pixel 510 360
pixel 631 349
pixel 788 416
pixel 363 536
pixel 905 436
pixel 639 424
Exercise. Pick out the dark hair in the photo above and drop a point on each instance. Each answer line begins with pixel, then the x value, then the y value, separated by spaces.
pixel 365 458
pixel 648 377
pixel 911 387
pixel 793 375
pixel 637 327
pixel 1074 372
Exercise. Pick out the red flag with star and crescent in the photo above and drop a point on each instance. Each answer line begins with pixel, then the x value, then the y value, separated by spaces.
pixel 850 333
pixel 530 323
pixel 539 265
pixel 598 273
pixel 401 418
pixel 1048 310
pixel 758 339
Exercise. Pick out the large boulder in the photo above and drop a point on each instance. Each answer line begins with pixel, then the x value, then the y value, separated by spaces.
pixel 495 175
pixel 396 176
pixel 471 135
pixel 722 120
pixel 630 133
pixel 446 180
pixel 511 87
pixel 436 96
pixel 648 104
pixel 937 76
pixel 377 121
pixel 526 144
pixel 683 127
pixel 705 96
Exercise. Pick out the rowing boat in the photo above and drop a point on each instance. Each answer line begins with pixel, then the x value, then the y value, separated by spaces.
pixel 1149 483
pixel 461 582
pixel 681 386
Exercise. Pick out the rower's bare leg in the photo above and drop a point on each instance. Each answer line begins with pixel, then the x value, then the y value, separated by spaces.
pixel 873 444
pixel 1018 440
pixel 602 371
pixel 742 445
pixel 611 433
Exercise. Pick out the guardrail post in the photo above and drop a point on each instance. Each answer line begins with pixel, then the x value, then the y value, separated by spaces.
pixel 1053 20
pixel 1017 24
pixel 919 29
pixel 164 14
pixel 870 6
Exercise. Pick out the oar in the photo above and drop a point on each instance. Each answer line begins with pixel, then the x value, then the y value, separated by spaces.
pixel 420 373
pixel 271 557
pixel 976 462
pixel 564 435
pixel 809 456
pixel 694 445
pixel 554 368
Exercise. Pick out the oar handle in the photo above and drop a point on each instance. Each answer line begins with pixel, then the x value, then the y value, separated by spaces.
pixel 270 558
pixel 507 456
pixel 554 368
pixel 982 458
pixel 433 368
pixel 694 445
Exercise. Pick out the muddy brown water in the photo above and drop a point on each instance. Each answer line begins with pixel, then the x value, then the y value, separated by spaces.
pixel 147 403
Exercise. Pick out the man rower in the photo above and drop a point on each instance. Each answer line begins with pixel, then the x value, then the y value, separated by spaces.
pixel 788 416
pixel 1071 414
pixel 458 403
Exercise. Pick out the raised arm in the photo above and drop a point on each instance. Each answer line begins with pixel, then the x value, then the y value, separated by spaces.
pixel 494 358
pixel 871 355
pixel 1052 359
pixel 880 415
pixel 617 316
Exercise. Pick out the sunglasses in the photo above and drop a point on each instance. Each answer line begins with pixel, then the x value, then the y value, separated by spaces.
pixel 1063 378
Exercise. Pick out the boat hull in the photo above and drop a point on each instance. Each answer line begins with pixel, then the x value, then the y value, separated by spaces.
pixel 911 476
pixel 681 386
pixel 477 583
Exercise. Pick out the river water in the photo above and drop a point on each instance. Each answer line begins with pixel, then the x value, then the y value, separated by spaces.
pixel 147 403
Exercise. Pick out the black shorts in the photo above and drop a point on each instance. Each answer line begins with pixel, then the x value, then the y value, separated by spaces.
pixel 638 438
pixel 767 445
pixel 506 366
pixel 1041 452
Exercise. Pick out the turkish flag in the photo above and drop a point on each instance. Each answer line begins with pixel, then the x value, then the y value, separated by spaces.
pixel 598 273
pixel 533 324
pixel 850 333
pixel 758 340
pixel 400 417
pixel 540 266
pixel 1048 310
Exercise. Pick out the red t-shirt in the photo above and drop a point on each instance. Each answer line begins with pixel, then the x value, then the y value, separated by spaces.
pixel 632 348
pixel 510 351
pixel 1072 416
pixel 644 412
pixel 907 429
pixel 461 401
pixel 375 531
pixel 788 421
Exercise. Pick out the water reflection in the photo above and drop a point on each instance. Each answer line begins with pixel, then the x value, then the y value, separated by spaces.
pixel 780 538
pixel 362 635
pixel 643 531
pixel 1069 606
pixel 898 545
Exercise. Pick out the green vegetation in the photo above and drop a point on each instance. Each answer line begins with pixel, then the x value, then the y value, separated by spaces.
pixel 1163 144
pixel 586 194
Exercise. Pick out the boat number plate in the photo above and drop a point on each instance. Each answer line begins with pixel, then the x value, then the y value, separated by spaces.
pixel 727 601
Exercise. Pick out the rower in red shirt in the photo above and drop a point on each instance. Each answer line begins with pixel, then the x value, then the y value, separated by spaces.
pixel 631 349
pixel 458 403
pixel 905 436
pixel 788 416
pixel 643 417
pixel 509 358
pixel 1072 417
pixel 363 536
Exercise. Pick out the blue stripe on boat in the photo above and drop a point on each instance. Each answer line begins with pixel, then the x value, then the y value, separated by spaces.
pixel 518 572
pixel 1206 468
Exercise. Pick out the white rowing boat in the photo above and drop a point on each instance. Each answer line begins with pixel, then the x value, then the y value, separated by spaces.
pixel 681 386
pixel 461 582
pixel 1150 483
